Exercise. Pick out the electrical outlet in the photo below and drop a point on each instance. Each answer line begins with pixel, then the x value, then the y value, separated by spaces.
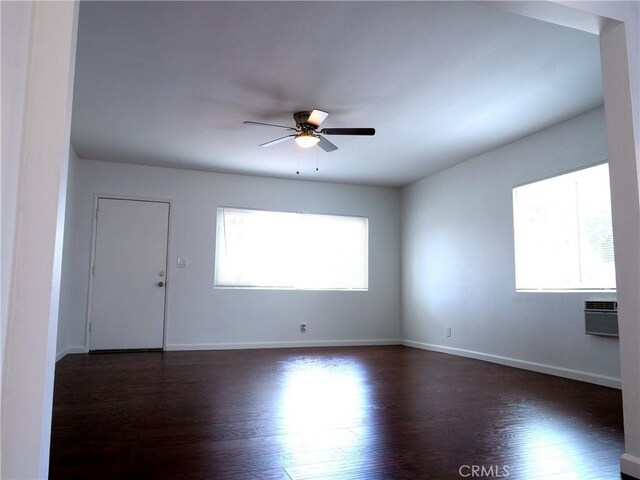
pixel 448 331
pixel 303 328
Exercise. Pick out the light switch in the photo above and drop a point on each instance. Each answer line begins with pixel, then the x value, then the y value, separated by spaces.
pixel 182 263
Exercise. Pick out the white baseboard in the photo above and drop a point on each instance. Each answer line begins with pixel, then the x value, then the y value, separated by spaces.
pixel 61 354
pixel 630 465
pixel 525 365
pixel 292 344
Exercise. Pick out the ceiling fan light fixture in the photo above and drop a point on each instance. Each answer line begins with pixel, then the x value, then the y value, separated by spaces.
pixel 307 140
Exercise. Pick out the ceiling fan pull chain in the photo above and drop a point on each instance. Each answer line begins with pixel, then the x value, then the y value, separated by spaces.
pixel 297 160
pixel 317 159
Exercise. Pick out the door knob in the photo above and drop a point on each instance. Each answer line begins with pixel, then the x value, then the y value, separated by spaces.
pixel 161 284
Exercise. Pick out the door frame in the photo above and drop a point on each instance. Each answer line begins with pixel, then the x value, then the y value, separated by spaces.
pixel 94 238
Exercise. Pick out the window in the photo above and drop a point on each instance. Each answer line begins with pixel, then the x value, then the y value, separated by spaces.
pixel 284 250
pixel 563 234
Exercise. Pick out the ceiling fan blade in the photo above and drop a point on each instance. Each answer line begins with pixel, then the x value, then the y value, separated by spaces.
pixel 348 131
pixel 248 122
pixel 326 145
pixel 317 117
pixel 279 140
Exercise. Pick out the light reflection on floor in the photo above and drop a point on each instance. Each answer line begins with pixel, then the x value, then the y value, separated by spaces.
pixel 546 452
pixel 319 395
pixel 320 400
pixel 548 448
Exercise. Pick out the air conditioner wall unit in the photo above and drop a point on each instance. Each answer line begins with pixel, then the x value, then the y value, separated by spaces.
pixel 601 318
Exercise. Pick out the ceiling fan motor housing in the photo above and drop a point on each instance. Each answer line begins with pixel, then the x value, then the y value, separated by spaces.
pixel 301 120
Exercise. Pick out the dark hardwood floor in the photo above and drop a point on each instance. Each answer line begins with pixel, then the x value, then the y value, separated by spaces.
pixel 326 413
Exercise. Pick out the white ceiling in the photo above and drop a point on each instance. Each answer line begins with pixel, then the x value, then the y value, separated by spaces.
pixel 170 83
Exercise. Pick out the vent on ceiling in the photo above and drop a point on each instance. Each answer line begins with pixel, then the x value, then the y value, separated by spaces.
pixel 601 318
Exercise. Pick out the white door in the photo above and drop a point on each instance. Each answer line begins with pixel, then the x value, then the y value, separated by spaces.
pixel 129 275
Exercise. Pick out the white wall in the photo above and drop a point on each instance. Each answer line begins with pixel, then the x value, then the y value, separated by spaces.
pixel 621 83
pixel 40 138
pixel 16 24
pixel 200 316
pixel 458 259
pixel 67 294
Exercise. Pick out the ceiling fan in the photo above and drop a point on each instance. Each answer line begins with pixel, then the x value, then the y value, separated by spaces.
pixel 306 131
